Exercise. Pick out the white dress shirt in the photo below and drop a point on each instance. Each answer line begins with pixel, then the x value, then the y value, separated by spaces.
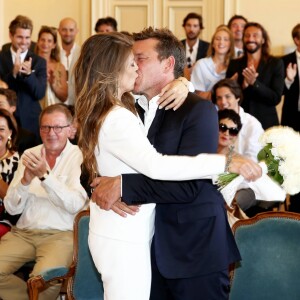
pixel 150 108
pixel 192 55
pixel 54 202
pixel 204 75
pixel 238 52
pixel 14 54
pixel 123 148
pixel 248 138
pixel 69 63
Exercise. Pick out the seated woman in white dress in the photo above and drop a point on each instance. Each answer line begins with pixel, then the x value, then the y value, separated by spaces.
pixel 209 70
pixel 227 94
pixel 57 86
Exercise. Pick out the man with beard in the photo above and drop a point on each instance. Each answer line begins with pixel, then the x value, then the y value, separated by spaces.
pixel 260 75
pixel 237 24
pixel 194 47
pixel 70 52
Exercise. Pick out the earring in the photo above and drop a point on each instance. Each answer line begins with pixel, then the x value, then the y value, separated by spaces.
pixel 9 145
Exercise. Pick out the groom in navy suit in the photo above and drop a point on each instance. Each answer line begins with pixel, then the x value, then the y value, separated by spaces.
pixel 193 245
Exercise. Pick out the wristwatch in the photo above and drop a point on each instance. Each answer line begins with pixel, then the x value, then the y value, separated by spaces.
pixel 44 176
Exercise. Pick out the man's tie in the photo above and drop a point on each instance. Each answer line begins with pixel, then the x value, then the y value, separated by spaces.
pixel 140 111
pixel 239 53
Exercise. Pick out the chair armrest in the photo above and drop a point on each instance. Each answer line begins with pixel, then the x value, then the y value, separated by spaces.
pixel 38 282
pixel 54 273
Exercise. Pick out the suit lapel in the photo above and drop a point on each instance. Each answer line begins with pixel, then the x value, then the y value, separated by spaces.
pixel 295 61
pixel 155 126
pixel 9 61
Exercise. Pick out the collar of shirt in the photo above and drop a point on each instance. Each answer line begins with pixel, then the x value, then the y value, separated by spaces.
pixel 298 54
pixel 64 59
pixel 238 52
pixel 192 55
pixel 62 153
pixel 150 108
pixel 14 54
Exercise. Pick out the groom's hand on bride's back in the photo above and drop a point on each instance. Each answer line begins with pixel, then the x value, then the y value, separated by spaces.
pixel 107 195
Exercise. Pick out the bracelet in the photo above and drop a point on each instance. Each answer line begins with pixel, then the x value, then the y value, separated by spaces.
pixel 44 176
pixel 229 158
pixel 184 82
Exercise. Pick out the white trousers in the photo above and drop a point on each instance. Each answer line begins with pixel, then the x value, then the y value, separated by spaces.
pixel 125 267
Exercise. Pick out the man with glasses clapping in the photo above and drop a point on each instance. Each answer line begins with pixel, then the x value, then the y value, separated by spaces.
pixel 46 191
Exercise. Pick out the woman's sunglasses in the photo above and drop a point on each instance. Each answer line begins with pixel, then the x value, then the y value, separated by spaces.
pixel 233 131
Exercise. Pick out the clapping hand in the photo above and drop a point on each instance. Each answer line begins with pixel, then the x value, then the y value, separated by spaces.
pixel 250 76
pixel 291 72
pixel 22 67
pixel 35 166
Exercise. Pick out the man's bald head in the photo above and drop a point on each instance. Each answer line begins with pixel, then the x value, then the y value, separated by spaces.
pixel 68 31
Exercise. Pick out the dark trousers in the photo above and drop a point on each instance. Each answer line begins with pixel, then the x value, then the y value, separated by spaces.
pixel 214 286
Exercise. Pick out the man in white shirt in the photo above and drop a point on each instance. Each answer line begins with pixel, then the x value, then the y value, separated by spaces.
pixel 69 53
pixel 46 191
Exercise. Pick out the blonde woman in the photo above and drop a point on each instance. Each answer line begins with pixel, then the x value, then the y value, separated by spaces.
pixel 209 70
pixel 57 86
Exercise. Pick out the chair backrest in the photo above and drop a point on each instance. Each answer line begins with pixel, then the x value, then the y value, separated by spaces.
pixel 86 284
pixel 270 248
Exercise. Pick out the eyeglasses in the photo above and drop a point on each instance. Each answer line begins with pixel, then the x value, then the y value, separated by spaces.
pixel 189 62
pixel 56 129
pixel 233 131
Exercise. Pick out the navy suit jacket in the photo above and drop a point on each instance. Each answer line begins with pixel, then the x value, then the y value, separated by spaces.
pixel 30 89
pixel 202 48
pixel 192 235
pixel 290 113
pixel 260 100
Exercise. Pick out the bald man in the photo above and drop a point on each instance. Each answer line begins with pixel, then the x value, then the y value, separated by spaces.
pixel 69 52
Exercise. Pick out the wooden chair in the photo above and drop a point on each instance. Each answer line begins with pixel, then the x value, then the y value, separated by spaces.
pixel 84 281
pixel 269 245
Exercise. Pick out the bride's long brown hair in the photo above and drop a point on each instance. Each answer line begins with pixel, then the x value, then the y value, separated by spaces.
pixel 96 73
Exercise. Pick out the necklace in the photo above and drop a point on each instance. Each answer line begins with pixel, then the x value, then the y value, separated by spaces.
pixel 4 155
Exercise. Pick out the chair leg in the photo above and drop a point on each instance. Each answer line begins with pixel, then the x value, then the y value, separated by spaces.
pixel 34 285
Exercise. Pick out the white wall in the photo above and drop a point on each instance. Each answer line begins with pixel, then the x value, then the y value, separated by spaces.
pixel 45 12
pixel 277 16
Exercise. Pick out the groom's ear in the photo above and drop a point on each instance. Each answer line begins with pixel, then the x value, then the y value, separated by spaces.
pixel 169 64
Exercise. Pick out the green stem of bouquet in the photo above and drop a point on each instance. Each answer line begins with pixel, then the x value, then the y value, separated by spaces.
pixel 226 178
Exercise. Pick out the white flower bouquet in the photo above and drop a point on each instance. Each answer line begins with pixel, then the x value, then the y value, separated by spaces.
pixel 280 161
